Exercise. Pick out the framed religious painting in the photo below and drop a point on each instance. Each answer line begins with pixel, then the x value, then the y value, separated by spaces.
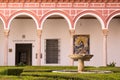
pixel 81 44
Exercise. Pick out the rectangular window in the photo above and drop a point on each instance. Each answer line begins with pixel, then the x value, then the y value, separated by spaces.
pixel 52 51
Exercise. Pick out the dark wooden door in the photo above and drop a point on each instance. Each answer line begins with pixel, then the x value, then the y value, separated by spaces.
pixel 23 54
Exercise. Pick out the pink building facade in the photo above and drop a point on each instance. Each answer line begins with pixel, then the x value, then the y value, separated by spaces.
pixel 31 23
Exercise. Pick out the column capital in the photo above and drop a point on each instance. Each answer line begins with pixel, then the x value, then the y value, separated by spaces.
pixel 39 32
pixel 105 32
pixel 6 32
pixel 72 32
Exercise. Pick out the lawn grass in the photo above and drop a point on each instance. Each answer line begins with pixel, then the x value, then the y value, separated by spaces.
pixel 44 73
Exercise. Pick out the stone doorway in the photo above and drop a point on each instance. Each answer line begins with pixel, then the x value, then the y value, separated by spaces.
pixel 23 54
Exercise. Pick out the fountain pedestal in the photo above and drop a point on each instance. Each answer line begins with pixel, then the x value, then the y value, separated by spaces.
pixel 81 58
pixel 80 65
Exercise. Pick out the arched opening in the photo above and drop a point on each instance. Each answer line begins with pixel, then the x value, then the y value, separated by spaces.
pixel 22 41
pixel 1 43
pixel 55 42
pixel 114 40
pixel 90 26
pixel 56 12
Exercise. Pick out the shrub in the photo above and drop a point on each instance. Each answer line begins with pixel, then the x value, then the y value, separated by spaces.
pixel 16 72
pixel 21 64
pixel 112 64
pixel 3 72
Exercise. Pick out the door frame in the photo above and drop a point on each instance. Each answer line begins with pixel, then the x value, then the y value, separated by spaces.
pixel 16 54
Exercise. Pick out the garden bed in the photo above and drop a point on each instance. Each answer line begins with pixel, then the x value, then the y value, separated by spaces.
pixel 45 73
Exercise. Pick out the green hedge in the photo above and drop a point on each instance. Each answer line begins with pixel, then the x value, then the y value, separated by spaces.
pixel 51 67
pixel 26 78
pixel 3 71
pixel 37 70
pixel 74 76
pixel 16 72
pixel 54 76
pixel 44 73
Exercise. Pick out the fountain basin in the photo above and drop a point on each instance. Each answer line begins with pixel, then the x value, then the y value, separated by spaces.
pixel 81 58
pixel 85 57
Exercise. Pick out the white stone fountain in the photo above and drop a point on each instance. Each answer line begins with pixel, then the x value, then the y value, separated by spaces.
pixel 81 58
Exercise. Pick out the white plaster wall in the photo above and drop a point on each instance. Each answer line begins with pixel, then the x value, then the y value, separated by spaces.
pixel 93 28
pixel 18 28
pixel 57 29
pixel 1 44
pixel 114 42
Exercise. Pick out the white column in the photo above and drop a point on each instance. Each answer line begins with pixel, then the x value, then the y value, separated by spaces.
pixel 72 32
pixel 105 34
pixel 38 55
pixel 6 33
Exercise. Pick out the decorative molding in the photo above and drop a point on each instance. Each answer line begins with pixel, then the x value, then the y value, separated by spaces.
pixel 105 32
pixel 6 32
pixel 59 1
pixel 37 11
pixel 72 32
pixel 39 32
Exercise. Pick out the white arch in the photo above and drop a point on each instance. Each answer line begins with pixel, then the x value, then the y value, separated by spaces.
pixel 99 19
pixel 4 25
pixel 56 13
pixel 107 26
pixel 23 13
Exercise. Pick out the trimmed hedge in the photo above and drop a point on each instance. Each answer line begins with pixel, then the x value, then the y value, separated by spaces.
pixel 26 78
pixel 54 76
pixel 15 72
pixel 51 67
pixel 3 71
pixel 74 76
pixel 44 73
pixel 37 70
